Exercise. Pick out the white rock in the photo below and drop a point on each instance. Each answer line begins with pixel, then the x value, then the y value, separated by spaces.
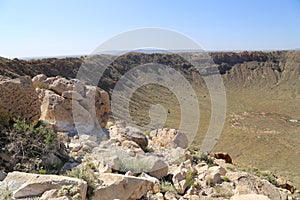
pixel 30 185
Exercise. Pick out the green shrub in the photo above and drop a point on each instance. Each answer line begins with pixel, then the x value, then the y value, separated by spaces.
pixel 166 186
pixel 86 173
pixel 149 150
pixel 70 191
pixel 26 144
pixel 222 192
pixel 261 174
pixel 207 160
pixel 226 179
pixel 189 178
pixel 42 171
pixel 147 132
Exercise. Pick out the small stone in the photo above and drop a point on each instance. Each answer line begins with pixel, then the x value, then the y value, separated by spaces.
pixel 159 196
pixel 2 175
pixel 75 146
pixel 170 196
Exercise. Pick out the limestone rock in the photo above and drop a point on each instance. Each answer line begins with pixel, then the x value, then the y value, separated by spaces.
pixel 18 99
pixel 116 186
pixel 32 185
pixel 71 106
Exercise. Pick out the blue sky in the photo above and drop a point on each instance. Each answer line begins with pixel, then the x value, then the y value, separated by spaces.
pixel 64 27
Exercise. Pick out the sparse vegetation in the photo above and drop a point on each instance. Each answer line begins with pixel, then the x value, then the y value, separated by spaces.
pixel 222 192
pixel 166 186
pixel 42 86
pixel 261 174
pixel 42 171
pixel 147 132
pixel 204 157
pixel 86 173
pixel 149 150
pixel 70 191
pixel 226 179
pixel 190 178
pixel 26 144
pixel 136 166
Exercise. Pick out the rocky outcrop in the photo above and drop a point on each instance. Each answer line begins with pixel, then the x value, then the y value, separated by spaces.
pixel 71 106
pixel 18 99
pixel 25 185
pixel 244 69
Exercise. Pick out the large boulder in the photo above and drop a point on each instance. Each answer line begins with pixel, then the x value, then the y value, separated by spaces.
pixel 70 105
pixel 117 186
pixel 122 161
pixel 18 99
pixel 32 185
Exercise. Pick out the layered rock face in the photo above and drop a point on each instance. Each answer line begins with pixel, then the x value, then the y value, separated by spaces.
pixel 19 99
pixel 239 69
pixel 70 105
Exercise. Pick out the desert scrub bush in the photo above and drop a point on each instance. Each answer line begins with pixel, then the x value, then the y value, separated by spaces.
pixel 193 150
pixel 85 172
pixel 230 167
pixel 261 174
pixel 267 176
pixel 147 132
pixel 226 179
pixel 25 144
pixel 136 165
pixel 70 191
pixel 222 192
pixel 204 157
pixel 166 186
pixel 42 86
pixel 149 150
pixel 42 171
pixel 190 178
